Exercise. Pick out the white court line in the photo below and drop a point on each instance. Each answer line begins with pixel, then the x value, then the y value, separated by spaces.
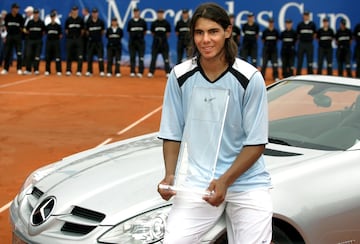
pixel 69 94
pixel 131 126
pixel 5 207
pixel 139 121
pixel 104 142
pixel 19 82
pixel 65 94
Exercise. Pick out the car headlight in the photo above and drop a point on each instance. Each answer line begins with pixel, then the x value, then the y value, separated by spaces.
pixel 145 228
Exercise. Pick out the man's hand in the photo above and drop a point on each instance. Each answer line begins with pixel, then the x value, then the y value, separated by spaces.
pixel 166 194
pixel 217 194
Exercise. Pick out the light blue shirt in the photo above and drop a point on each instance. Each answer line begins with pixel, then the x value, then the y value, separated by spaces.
pixel 246 121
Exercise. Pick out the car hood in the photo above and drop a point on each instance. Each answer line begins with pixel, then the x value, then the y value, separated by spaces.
pixel 280 158
pixel 121 175
pixel 124 175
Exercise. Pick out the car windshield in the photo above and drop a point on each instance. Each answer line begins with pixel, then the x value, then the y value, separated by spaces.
pixel 317 115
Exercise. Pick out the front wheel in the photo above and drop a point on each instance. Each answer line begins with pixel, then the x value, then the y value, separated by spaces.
pixel 281 237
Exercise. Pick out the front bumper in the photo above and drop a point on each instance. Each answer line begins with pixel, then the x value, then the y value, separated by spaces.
pixel 19 219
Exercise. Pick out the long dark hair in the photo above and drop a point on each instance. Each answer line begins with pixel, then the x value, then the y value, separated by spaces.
pixel 213 12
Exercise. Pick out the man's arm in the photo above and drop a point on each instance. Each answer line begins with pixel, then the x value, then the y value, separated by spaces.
pixel 170 152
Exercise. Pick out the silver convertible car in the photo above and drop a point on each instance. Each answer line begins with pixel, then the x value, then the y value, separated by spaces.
pixel 109 194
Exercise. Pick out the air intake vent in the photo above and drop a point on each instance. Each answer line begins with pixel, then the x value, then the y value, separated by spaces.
pixel 82 221
pixel 77 228
pixel 87 214
pixel 37 193
pixel 277 153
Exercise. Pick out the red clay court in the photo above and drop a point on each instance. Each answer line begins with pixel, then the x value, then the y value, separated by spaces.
pixel 44 118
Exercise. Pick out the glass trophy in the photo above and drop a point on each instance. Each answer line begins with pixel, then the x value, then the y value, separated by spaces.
pixel 201 140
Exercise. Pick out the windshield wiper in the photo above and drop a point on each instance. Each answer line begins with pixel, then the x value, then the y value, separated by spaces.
pixel 279 141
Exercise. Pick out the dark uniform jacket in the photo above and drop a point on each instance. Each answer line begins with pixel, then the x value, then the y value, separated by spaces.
pixel 183 29
pixel 36 29
pixel 114 36
pixel 53 31
pixel 343 38
pixel 325 37
pixel 160 28
pixel 270 38
pixel 95 30
pixel 250 32
pixel 306 31
pixel 74 27
pixel 136 29
pixel 288 38
pixel 14 24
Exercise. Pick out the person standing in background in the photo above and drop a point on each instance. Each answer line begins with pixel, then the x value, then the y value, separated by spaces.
pixel 343 39
pixel 270 38
pixel 86 16
pixel 14 24
pixel 74 30
pixel 48 17
pixel 288 38
pixel 3 34
pixel 52 48
pixel 95 29
pixel 136 28
pixel 160 30
pixel 250 36
pixel 325 36
pixel 182 32
pixel 236 32
pixel 29 15
pixel 114 35
pixel 356 35
pixel 306 31
pixel 35 29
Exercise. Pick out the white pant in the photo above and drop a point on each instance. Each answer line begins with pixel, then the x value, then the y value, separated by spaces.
pixel 248 218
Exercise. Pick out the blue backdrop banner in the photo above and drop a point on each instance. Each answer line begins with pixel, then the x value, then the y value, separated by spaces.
pixel 277 9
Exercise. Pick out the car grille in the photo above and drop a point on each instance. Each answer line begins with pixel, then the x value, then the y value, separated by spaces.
pixel 77 228
pixel 80 217
pixel 80 221
pixel 36 192
pixel 87 214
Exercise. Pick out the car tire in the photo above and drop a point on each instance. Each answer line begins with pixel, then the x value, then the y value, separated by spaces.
pixel 281 237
